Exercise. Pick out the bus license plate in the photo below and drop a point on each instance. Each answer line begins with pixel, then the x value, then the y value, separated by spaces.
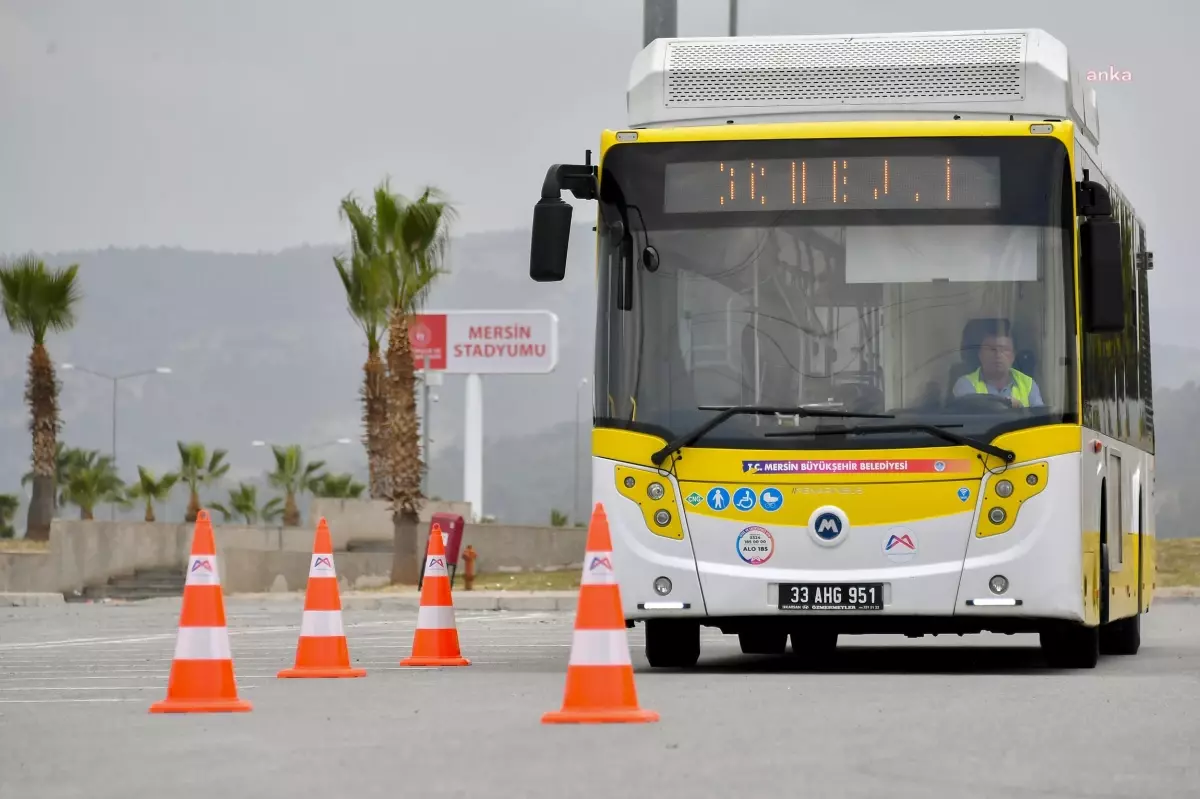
pixel 831 596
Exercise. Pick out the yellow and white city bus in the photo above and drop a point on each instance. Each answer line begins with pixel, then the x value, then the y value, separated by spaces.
pixel 872 346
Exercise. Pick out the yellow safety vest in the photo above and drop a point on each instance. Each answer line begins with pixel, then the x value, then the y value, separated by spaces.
pixel 1022 385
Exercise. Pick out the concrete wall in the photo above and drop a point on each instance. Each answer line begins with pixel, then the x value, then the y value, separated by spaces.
pixel 370 520
pixel 503 546
pixel 248 571
pixel 256 559
pixel 89 553
pixel 500 548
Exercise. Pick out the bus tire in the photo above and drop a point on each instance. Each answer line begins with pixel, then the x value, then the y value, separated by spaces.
pixel 1071 645
pixel 763 642
pixel 1122 637
pixel 672 643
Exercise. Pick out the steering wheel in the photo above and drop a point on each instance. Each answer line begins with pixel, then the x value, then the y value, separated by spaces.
pixel 995 399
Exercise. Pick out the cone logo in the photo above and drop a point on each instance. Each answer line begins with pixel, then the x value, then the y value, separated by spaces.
pixel 600 687
pixel 322 650
pixel 202 679
pixel 435 642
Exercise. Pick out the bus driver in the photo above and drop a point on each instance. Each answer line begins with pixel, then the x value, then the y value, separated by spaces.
pixel 996 375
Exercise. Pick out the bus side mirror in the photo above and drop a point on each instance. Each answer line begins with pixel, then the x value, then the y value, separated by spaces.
pixel 551 234
pixel 1102 275
pixel 1092 198
pixel 552 218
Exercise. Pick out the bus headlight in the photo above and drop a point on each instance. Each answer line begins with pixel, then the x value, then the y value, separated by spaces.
pixel 662 517
pixel 630 482
pixel 662 586
pixel 997 515
pixel 998 584
pixel 655 491
pixel 1004 489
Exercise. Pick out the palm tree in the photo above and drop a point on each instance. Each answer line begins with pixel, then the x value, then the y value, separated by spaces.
pixel 366 279
pixel 272 509
pixel 198 469
pixel 420 233
pixel 152 489
pixel 37 301
pixel 8 508
pixel 409 240
pixel 294 476
pixel 91 481
pixel 65 459
pixel 243 501
pixel 337 486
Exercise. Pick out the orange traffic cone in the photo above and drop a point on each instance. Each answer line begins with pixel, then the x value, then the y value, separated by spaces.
pixel 322 650
pixel 435 642
pixel 202 678
pixel 600 685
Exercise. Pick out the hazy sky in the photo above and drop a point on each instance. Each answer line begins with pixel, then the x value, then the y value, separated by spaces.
pixel 238 124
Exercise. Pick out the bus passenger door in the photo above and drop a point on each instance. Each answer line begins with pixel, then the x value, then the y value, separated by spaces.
pixel 1114 537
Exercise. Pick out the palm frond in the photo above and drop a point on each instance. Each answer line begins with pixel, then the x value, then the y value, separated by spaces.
pixel 272 510
pixel 362 226
pixel 37 300
pixel 226 514
pixel 367 288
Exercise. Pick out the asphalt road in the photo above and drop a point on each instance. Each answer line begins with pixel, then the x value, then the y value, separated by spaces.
pixel 887 717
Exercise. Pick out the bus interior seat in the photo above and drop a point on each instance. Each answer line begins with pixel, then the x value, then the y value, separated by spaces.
pixel 1026 361
pixel 779 376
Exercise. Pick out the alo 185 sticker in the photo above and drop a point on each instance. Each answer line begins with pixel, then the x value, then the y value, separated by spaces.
pixel 755 545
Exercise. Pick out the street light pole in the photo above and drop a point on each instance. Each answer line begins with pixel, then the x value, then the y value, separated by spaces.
pixel 575 484
pixel 733 17
pixel 659 20
pixel 115 379
pixel 425 425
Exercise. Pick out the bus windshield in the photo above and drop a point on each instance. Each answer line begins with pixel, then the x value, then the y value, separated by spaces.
pixel 930 279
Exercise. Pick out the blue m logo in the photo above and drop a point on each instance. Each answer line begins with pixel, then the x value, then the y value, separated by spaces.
pixel 828 526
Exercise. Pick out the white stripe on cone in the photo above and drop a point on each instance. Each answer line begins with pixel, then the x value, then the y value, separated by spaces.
pixel 598 569
pixel 321 566
pixel 321 623
pixel 435 617
pixel 203 643
pixel 435 566
pixel 600 648
pixel 202 570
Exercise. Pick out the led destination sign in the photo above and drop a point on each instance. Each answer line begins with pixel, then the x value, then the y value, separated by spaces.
pixel 830 184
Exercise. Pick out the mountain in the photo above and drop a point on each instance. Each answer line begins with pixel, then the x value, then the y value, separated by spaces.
pixel 1174 365
pixel 262 347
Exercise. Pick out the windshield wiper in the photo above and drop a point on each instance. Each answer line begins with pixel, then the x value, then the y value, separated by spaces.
pixel 1006 455
pixel 728 413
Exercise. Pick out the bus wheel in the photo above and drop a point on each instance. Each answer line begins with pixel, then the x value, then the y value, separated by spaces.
pixel 1071 646
pixel 1122 637
pixel 763 642
pixel 672 643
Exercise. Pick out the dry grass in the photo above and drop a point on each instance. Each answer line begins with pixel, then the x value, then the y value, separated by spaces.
pixel 21 545
pixel 565 580
pixel 1178 562
pixel 558 580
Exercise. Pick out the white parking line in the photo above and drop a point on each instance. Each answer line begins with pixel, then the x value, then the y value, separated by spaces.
pixel 96 687
pixel 293 628
pixel 73 699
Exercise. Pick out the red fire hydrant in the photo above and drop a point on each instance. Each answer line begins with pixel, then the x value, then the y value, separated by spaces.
pixel 468 556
